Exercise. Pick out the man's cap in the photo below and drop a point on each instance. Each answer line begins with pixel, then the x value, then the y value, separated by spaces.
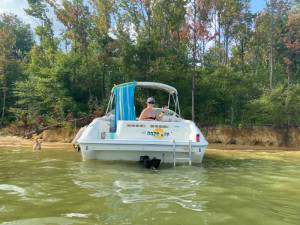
pixel 150 99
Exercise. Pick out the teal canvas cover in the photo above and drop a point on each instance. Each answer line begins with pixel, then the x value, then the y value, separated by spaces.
pixel 124 102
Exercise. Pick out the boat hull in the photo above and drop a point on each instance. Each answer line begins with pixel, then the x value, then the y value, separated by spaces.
pixel 133 152
pixel 134 139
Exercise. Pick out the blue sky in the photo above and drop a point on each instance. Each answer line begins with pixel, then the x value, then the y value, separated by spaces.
pixel 17 6
pixel 257 5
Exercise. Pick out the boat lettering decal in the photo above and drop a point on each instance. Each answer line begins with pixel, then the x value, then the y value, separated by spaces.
pixel 158 133
pixel 136 125
pixel 158 126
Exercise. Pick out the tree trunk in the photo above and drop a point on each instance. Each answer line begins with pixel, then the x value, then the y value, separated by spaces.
pixel 103 82
pixel 271 57
pixel 219 34
pixel 242 55
pixel 226 48
pixel 289 74
pixel 203 51
pixel 194 62
pixel 290 61
pixel 193 92
pixel 4 90
pixel 271 66
pixel 216 31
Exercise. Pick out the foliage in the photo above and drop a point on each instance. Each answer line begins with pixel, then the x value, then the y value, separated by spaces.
pixel 280 106
pixel 15 42
pixel 242 66
pixel 41 96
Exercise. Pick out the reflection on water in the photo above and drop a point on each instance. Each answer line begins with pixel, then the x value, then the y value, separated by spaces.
pixel 56 187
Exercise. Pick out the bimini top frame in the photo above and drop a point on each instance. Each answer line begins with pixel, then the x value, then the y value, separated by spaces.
pixel 173 94
pixel 151 85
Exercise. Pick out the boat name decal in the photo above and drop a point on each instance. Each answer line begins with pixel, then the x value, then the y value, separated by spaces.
pixel 136 125
pixel 160 126
pixel 158 133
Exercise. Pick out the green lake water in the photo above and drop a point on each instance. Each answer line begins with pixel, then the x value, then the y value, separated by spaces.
pixel 233 187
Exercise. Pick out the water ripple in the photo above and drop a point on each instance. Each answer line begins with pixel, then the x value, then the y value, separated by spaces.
pixel 44 221
pixel 77 215
pixel 13 189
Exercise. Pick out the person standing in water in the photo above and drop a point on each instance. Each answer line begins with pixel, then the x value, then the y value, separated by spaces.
pixel 149 113
pixel 37 146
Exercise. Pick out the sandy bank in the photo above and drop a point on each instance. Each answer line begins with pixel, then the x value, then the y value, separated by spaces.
pixel 14 141
pixel 220 138
pixel 250 147
pixel 254 136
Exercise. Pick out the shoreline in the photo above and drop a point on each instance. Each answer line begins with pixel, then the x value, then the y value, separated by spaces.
pixel 15 141
pixel 233 147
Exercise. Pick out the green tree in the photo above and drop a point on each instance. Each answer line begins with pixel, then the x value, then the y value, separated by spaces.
pixel 15 42
pixel 278 107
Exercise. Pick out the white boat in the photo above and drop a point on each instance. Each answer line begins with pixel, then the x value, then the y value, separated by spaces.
pixel 118 135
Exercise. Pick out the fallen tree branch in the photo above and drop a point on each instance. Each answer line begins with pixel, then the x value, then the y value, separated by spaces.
pixel 85 121
pixel 40 130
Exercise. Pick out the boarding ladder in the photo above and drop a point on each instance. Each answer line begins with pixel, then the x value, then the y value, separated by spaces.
pixel 189 159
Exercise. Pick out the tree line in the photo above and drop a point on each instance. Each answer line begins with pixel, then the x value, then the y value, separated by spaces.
pixel 230 65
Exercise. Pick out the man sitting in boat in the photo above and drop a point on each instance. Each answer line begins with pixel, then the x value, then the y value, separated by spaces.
pixel 149 113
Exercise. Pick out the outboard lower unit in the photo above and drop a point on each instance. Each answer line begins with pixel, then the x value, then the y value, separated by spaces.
pixel 149 163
